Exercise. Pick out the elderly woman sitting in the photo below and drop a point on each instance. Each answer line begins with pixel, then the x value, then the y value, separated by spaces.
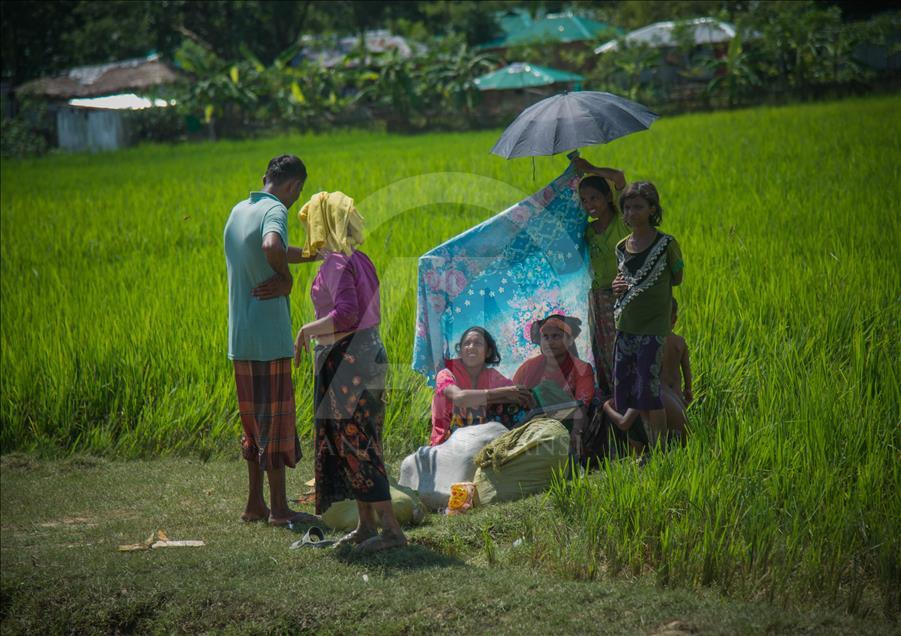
pixel 557 373
pixel 468 391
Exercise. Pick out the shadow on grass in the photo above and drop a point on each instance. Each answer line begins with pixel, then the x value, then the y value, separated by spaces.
pixel 23 462
pixel 409 558
pixel 416 555
pixel 18 462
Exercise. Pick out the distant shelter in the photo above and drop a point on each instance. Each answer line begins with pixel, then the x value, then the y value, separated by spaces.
pixel 89 102
pixel 347 50
pixel 517 86
pixel 556 33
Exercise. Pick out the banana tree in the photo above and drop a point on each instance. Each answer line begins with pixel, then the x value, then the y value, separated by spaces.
pixel 734 75
pixel 628 69
pixel 221 91
pixel 451 76
pixel 394 87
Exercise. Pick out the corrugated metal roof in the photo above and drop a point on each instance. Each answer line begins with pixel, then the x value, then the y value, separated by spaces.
pixel 663 34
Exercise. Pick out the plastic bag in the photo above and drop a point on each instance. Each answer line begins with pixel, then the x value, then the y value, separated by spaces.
pixel 342 515
pixel 463 497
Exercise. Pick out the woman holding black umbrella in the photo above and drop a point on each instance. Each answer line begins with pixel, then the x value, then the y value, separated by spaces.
pixel 598 191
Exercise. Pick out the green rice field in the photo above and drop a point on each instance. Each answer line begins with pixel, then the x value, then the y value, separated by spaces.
pixel 114 321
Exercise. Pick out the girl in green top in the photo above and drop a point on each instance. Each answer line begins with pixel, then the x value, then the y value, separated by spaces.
pixel 598 190
pixel 649 264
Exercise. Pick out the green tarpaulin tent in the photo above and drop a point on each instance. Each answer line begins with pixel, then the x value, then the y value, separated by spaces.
pixel 561 27
pixel 521 75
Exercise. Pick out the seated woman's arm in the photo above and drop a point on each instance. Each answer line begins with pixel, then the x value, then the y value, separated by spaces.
pixel 475 398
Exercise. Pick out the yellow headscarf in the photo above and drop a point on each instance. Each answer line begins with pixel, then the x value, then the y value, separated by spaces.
pixel 332 223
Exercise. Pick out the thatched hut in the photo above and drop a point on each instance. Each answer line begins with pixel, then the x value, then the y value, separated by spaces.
pixel 85 124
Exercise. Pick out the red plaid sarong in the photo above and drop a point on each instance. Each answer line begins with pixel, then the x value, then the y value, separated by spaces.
pixel 266 405
pixel 603 335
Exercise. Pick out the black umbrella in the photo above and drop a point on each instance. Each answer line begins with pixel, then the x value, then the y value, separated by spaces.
pixel 571 120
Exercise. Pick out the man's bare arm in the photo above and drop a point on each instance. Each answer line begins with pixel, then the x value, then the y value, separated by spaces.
pixel 277 257
pixel 295 255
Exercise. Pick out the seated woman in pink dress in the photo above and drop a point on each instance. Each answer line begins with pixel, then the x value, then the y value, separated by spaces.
pixel 468 391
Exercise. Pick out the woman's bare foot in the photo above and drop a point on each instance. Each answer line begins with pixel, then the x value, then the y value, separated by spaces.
pixel 292 516
pixel 250 516
pixel 356 537
pixel 385 541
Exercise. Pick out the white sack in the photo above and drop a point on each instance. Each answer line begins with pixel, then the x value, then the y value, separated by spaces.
pixel 432 469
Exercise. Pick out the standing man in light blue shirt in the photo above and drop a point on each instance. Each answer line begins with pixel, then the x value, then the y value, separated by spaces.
pixel 260 342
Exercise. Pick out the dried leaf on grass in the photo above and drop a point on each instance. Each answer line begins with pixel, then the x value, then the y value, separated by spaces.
pixel 160 540
pixel 132 547
pixel 184 543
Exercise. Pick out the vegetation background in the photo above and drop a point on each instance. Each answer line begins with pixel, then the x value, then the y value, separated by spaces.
pixel 113 322
pixel 113 328
pixel 246 72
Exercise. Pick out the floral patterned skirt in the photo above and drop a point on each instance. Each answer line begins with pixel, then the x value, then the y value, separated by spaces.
pixel 349 412
pixel 603 335
pixel 636 373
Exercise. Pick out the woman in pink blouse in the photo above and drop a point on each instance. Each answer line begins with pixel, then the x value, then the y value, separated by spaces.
pixel 468 391
pixel 350 363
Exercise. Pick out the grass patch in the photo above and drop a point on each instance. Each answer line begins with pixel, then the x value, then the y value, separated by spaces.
pixel 61 571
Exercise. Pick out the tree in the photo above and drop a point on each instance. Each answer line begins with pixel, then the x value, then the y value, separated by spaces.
pixel 31 41
pixel 121 29
pixel 394 87
pixel 450 73
pixel 796 43
pixel 265 27
pixel 734 74
pixel 627 71
pixel 42 38
pixel 473 20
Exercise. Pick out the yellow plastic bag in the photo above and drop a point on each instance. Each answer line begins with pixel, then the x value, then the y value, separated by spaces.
pixel 463 496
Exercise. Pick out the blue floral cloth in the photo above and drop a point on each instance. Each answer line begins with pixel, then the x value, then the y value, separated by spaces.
pixel 503 274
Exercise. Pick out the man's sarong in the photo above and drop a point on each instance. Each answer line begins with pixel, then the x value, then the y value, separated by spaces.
pixel 266 405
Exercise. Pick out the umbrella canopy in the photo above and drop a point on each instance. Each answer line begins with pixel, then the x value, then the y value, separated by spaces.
pixel 660 34
pixel 521 75
pixel 571 120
